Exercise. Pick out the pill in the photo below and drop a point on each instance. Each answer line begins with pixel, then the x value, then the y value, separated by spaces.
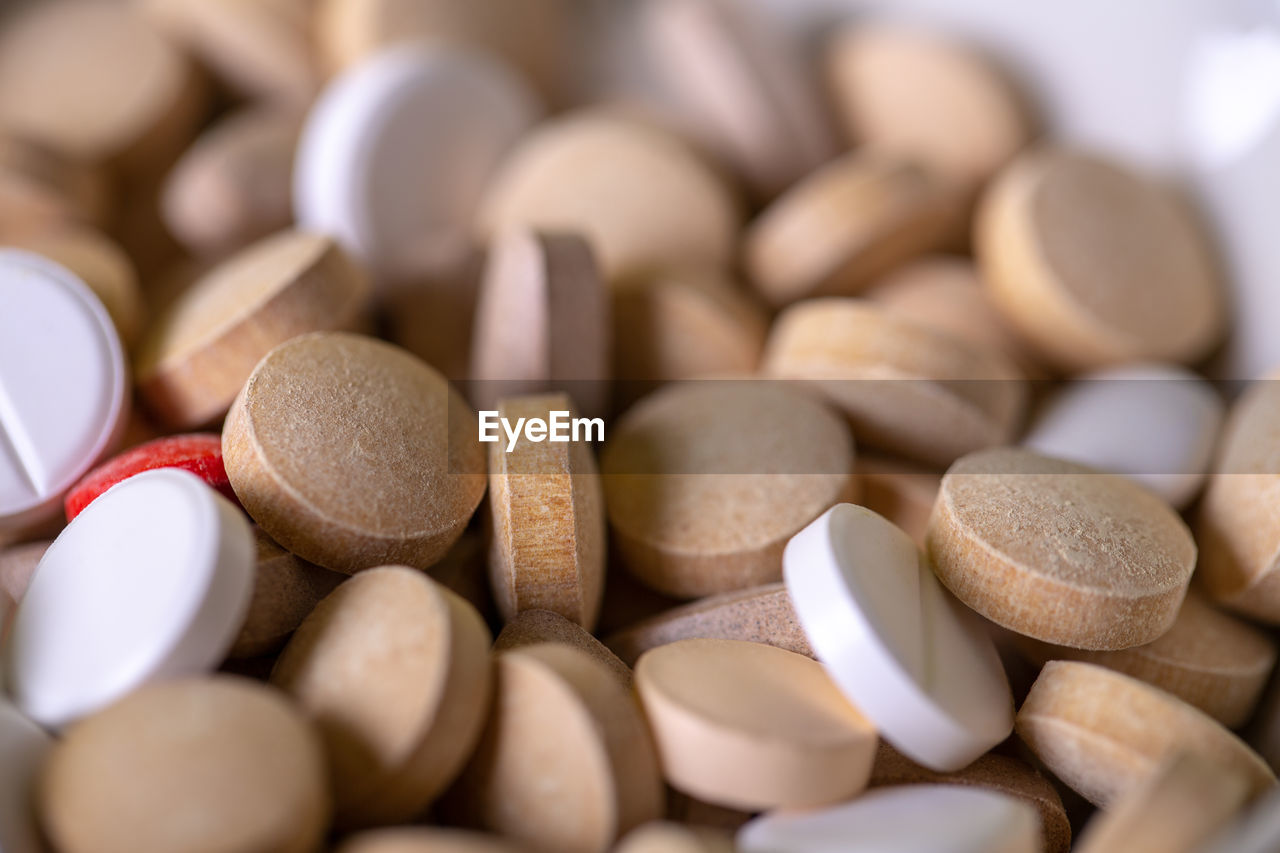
pixel 836 230
pixel 397 150
pixel 425 839
pixel 906 388
pixel 23 749
pixel 199 352
pixel 751 726
pixel 54 334
pixel 352 453
pixel 393 670
pixel 216 764
pixel 668 837
pixel 95 82
pixel 1176 810
pixel 285 590
pixel 900 491
pixel 260 49
pixel 1103 733
pixel 532 627
pixel 1255 831
pixel 542 320
pixel 640 195
pixel 42 188
pixel 155 576
pixel 1238 529
pixel 199 453
pixel 991 771
pixel 1097 265
pixel 1207 659
pixel 916 95
pixel 705 481
pixel 17 565
pixel 233 186
pixel 1059 551
pixel 899 646
pixel 906 819
pixel 744 86
pixel 566 761
pixel 1157 424
pixel 760 614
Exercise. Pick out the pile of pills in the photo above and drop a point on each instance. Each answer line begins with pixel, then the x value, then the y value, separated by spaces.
pixel 417 439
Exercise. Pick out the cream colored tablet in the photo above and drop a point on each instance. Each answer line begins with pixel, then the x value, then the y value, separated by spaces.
pixel 641 197
pixel 566 762
pixel 839 228
pixel 393 669
pixel 920 96
pixel 1238 526
pixel 666 837
pixel 905 652
pixel 96 82
pixel 1207 659
pixel 1104 734
pixel 705 482
pixel 1058 551
pixel 547 508
pixel 745 88
pixel 1097 265
pixel 25 746
pixel 233 186
pixel 425 839
pixel 751 726
pixel 758 614
pixel 1180 807
pixel 218 764
pixel 351 453
pixel 541 322
pixel 905 387
pixel 902 492
pixel 532 627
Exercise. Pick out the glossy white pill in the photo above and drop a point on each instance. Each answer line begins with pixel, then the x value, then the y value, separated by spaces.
pixel 906 819
pixel 23 745
pixel 63 385
pixel 395 153
pixel 1153 423
pixel 152 580
pixel 902 649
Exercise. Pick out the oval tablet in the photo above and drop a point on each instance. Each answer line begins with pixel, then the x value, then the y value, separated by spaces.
pixel 1058 551
pixel 54 334
pixel 151 581
pixel 904 651
pixel 351 453
pixel 23 749
pixel 397 150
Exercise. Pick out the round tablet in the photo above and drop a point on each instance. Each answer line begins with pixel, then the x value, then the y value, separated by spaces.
pixel 905 387
pixel 1096 265
pixel 842 226
pixel 151 581
pixel 759 614
pixel 219 764
pixel 397 150
pixel 908 819
pixel 198 353
pixel 705 482
pixel 425 839
pixel 393 669
pixel 925 98
pixel 532 627
pixel 906 653
pixel 1207 659
pixel 351 453
pixel 24 747
pixel 744 86
pixel 1058 551
pixel 65 386
pixel 641 197
pixel 1103 733
pixel 95 81
pixel 751 726
pixel 566 761
pixel 662 836
pixel 1155 423
pixel 17 565
pixel 541 321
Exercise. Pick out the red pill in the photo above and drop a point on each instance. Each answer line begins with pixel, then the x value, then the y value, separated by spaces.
pixel 199 453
